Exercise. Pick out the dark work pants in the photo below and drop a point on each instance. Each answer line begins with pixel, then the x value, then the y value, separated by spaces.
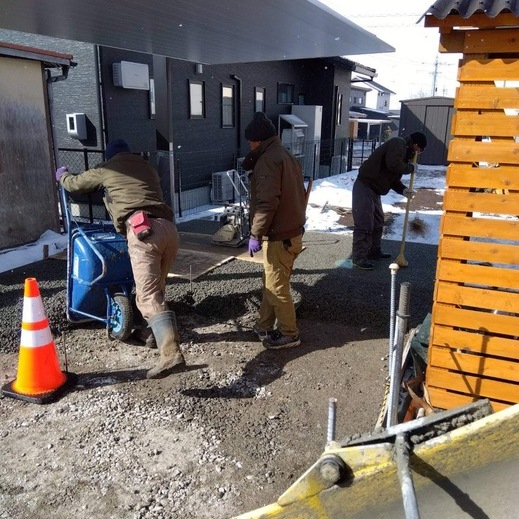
pixel 368 221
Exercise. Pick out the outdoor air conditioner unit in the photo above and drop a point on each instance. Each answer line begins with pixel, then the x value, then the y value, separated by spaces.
pixel 222 188
pixel 131 75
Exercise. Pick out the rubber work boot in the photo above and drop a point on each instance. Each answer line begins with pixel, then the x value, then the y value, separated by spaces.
pixel 164 327
pixel 145 335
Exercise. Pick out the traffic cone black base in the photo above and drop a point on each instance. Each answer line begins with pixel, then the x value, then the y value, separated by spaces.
pixel 44 398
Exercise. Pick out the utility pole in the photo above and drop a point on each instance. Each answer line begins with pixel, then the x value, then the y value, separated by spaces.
pixel 435 75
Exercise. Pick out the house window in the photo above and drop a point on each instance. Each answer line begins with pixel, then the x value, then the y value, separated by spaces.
pixel 285 93
pixel 227 106
pixel 196 99
pixel 338 117
pixel 259 99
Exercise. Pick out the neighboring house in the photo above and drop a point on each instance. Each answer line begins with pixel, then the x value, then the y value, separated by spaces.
pixel 372 100
pixel 376 96
pixel 376 124
pixel 204 108
pixel 358 95
pixel 27 183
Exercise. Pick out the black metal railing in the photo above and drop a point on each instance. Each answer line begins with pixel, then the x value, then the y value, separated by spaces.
pixel 189 187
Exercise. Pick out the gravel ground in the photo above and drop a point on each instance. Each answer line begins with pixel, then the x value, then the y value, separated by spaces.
pixel 234 430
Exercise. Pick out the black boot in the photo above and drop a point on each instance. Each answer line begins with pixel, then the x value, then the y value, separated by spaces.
pixel 375 251
pixel 363 263
pixel 376 254
pixel 360 250
pixel 164 327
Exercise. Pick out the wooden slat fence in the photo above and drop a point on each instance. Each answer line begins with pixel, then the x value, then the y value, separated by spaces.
pixel 474 340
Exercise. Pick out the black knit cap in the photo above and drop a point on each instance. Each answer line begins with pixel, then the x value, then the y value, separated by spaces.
pixel 420 139
pixel 260 129
pixel 115 147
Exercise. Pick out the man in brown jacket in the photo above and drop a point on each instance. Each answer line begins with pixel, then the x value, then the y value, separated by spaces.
pixel 277 208
pixel 134 200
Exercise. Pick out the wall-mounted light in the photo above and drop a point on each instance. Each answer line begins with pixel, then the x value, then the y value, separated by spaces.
pixel 199 68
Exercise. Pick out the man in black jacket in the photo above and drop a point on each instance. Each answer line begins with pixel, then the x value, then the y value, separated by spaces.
pixel 379 173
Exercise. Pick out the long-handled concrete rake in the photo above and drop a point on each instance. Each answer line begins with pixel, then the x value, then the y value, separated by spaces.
pixel 400 259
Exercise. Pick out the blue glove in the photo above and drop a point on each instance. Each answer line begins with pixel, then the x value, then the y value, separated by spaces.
pixel 60 172
pixel 254 245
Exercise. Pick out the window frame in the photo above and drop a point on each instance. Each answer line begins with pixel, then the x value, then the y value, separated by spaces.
pixel 338 109
pixel 263 92
pixel 193 114
pixel 287 89
pixel 226 106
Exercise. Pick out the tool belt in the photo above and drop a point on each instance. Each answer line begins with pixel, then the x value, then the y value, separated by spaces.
pixel 140 224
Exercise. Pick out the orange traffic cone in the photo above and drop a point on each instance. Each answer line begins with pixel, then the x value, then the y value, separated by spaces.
pixel 39 378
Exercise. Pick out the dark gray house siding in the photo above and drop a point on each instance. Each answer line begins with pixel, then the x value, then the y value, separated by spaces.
pixel 78 93
pixel 432 116
pixel 342 86
pixel 127 111
pixel 201 146
pixel 315 80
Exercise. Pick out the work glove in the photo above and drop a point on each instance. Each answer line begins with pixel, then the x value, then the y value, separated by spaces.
pixel 60 172
pixel 409 193
pixel 254 245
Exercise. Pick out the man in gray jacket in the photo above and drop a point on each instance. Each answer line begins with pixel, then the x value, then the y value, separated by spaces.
pixel 379 173
pixel 277 208
pixel 134 200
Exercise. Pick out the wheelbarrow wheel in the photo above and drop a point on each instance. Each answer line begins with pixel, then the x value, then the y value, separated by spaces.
pixel 121 321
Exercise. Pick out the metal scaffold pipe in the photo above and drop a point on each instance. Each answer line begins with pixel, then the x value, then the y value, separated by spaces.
pixel 396 354
pixel 332 413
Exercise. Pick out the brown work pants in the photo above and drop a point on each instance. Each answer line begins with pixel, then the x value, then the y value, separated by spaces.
pixel 151 260
pixel 277 303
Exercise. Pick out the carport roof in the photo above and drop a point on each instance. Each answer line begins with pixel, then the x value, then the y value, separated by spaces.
pixel 203 31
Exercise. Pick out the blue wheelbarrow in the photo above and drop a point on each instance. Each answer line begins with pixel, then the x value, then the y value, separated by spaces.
pixel 99 273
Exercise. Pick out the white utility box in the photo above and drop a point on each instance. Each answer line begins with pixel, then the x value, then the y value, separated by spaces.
pixel 76 126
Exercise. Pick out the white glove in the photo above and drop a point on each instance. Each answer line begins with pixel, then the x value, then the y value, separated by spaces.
pixel 409 193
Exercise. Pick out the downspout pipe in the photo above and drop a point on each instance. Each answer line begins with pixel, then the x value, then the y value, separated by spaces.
pixel 50 79
pixel 238 112
pixel 62 76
